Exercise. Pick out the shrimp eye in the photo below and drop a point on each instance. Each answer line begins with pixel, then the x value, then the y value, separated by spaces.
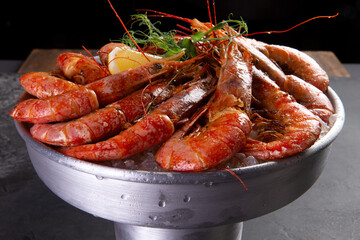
pixel 157 66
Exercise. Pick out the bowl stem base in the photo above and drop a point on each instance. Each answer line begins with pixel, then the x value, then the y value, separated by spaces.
pixel 132 232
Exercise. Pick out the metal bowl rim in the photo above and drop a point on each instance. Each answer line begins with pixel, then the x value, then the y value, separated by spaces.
pixel 193 177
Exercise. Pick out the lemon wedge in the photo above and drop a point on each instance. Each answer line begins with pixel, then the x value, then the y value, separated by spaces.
pixel 123 58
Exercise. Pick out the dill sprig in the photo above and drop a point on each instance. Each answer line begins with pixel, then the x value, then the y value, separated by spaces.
pixel 151 36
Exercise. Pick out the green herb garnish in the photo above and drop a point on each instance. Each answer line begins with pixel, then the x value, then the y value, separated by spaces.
pixel 152 36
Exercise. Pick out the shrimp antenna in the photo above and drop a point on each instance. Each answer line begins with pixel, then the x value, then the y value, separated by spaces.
pixel 127 32
pixel 214 10
pixel 104 69
pixel 297 25
pixel 162 14
pixel 209 12
pixel 237 177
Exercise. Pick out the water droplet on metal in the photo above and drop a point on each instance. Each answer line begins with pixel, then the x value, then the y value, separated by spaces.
pixel 100 177
pixel 162 203
pixel 154 218
pixel 187 198
pixel 124 196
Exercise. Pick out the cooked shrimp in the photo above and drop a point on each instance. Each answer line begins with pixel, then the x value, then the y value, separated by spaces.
pixel 228 127
pixel 303 91
pixel 105 50
pixel 300 64
pixel 115 87
pixel 309 96
pixel 42 84
pixel 143 135
pixel 66 106
pixel 105 91
pixel 269 101
pixel 157 127
pixel 104 122
pixel 300 128
pixel 80 68
pixel 89 128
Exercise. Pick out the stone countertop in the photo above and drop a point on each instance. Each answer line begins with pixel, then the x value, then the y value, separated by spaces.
pixel 329 210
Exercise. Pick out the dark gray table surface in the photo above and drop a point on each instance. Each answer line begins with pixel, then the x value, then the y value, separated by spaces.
pixel 329 210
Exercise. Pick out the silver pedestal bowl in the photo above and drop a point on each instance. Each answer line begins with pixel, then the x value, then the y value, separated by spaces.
pixel 168 205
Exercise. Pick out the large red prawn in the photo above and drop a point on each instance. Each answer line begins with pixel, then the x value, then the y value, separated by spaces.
pixel 253 98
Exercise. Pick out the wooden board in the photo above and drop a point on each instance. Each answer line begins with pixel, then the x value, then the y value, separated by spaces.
pixel 44 60
pixel 329 62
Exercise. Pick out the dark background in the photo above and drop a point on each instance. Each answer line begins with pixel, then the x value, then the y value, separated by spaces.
pixel 75 23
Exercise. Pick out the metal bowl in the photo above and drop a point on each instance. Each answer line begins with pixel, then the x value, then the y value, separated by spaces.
pixel 183 205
